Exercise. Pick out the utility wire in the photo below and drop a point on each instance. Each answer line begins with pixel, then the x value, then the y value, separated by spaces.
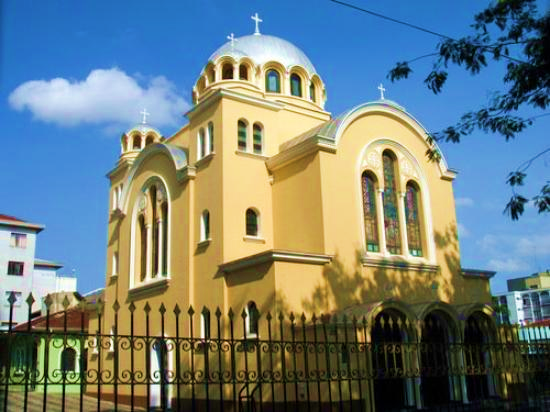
pixel 404 23
pixel 413 26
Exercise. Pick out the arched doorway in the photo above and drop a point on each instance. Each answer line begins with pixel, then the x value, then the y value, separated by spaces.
pixel 478 334
pixel 390 361
pixel 159 375
pixel 438 334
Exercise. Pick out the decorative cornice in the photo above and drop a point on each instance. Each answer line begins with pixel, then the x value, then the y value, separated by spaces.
pixel 399 264
pixel 231 94
pixel 305 148
pixel 251 155
pixel 275 255
pixel 148 289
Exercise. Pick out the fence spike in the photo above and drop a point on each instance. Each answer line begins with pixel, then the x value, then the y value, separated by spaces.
pixel 162 309
pixel 281 316
pixel 205 310
pixel 147 308
pixel 268 316
pixel 47 301
pixel 218 312
pixel 231 314
pixel 116 306
pixel 303 317
pixel 30 299
pixel 131 307
pixel 243 314
pixel 313 318
pixel 291 317
pixel 191 311
pixel 177 310
pixel 65 302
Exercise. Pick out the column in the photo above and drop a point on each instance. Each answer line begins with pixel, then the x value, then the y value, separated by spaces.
pixel 403 225
pixel 149 265
pixel 380 217
pixel 160 246
pixel 236 71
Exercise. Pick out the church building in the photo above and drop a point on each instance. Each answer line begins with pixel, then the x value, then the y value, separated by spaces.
pixel 265 202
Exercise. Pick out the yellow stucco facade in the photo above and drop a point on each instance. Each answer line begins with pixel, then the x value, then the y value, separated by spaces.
pixel 300 171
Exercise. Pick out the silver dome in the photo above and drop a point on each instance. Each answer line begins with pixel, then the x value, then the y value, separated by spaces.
pixel 262 49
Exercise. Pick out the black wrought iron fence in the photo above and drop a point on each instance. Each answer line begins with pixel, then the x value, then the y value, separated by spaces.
pixel 155 359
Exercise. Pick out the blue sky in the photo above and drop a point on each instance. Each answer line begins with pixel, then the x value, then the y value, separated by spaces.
pixel 92 66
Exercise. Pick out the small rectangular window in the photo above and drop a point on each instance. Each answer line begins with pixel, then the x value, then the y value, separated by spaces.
pixel 15 268
pixel 18 240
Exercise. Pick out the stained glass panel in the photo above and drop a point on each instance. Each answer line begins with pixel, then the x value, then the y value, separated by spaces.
pixel 413 221
pixel 389 199
pixel 369 212
pixel 241 143
pixel 257 139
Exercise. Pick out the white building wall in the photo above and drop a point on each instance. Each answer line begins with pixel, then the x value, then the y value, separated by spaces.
pixel 18 284
pixel 40 279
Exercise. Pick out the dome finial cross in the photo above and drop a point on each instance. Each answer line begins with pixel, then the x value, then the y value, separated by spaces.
pixel 233 40
pixel 382 90
pixel 144 113
pixel 257 19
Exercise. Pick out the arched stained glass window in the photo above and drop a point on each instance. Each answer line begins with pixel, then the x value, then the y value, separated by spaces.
pixel 295 85
pixel 211 137
pixel 412 218
pixel 391 216
pixel 241 142
pixel 273 82
pixel 369 211
pixel 257 138
pixel 155 245
pixel 143 248
pixel 164 211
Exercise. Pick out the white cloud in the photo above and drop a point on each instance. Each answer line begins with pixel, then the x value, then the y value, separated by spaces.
pixel 519 245
pixel 508 265
pixel 106 97
pixel 462 231
pixel 464 202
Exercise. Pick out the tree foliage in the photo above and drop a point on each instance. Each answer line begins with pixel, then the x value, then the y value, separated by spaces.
pixel 511 31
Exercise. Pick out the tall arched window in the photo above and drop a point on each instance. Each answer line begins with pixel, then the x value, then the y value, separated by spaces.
pixel 137 143
pixel 243 72
pixel 201 144
pixel 205 226
pixel 210 137
pixel 143 248
pixel 312 91
pixel 257 138
pixel 368 184
pixel 252 228
pixel 164 214
pixel 68 360
pixel 273 81
pixel 391 215
pixel 252 320
pixel 412 218
pixel 295 85
pixel 155 226
pixel 227 71
pixel 241 140
pixel 149 140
